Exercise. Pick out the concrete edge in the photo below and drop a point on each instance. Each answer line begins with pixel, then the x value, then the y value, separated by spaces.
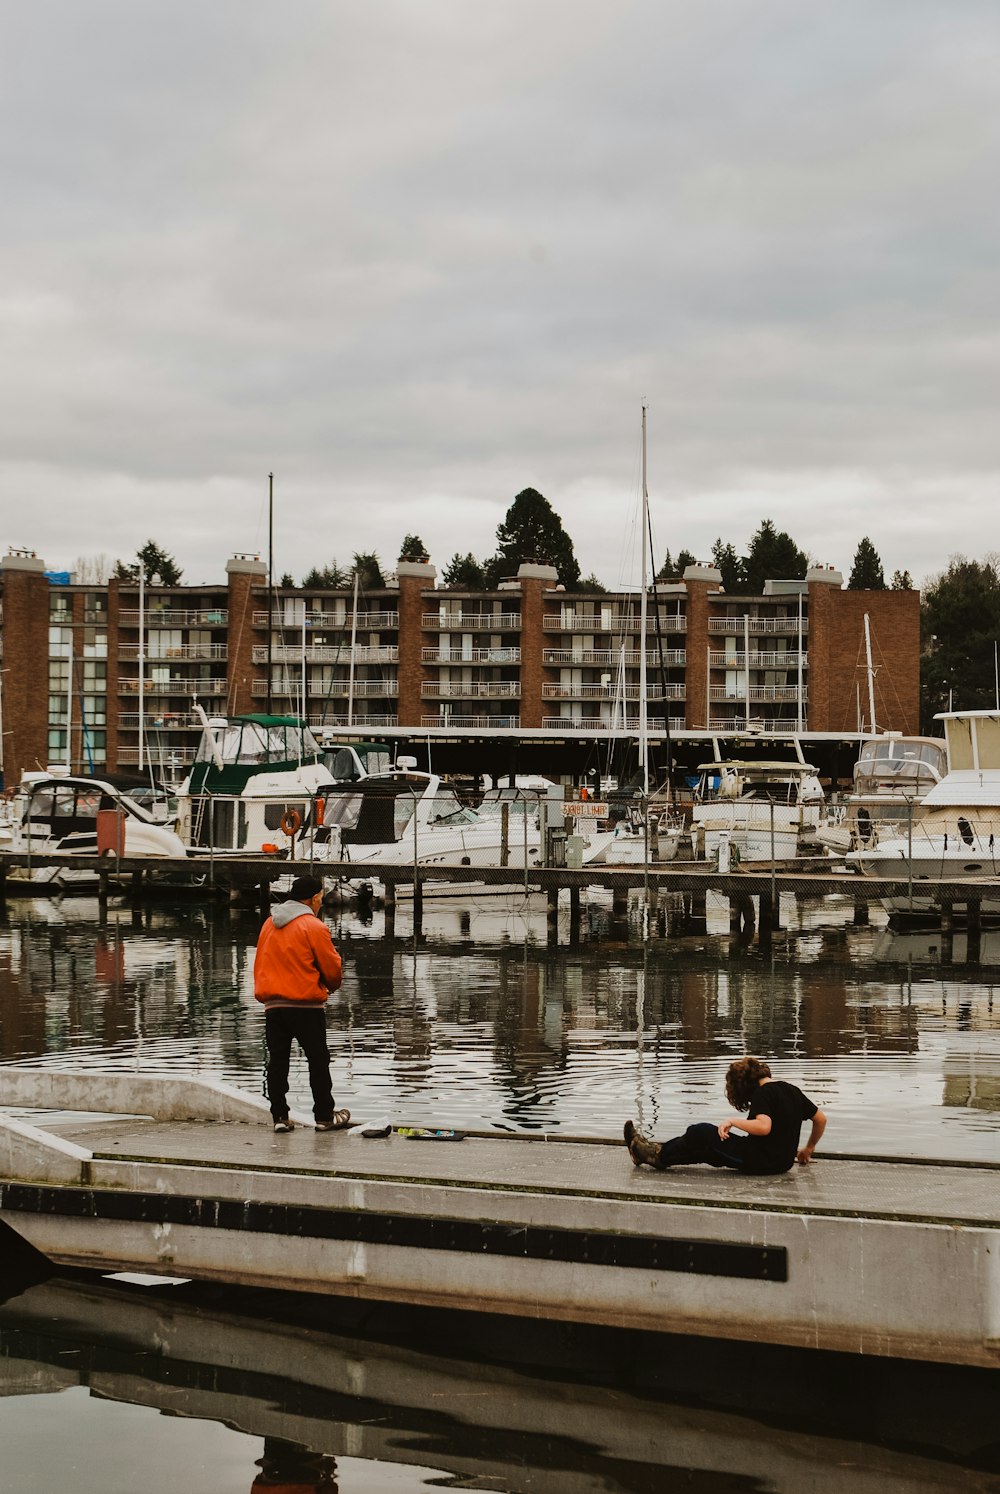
pixel 29 1154
pixel 160 1096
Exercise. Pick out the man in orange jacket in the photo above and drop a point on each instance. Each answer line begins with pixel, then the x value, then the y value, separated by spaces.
pixel 295 969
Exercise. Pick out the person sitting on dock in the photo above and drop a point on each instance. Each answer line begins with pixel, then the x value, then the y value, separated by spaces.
pixel 295 969
pixel 772 1126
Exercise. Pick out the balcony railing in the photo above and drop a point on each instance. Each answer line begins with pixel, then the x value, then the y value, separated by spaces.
pixel 737 726
pixel 159 721
pixel 598 726
pixel 325 654
pixel 474 690
pixel 474 723
pixel 735 626
pixel 471 656
pixel 611 658
pixel 588 622
pixel 177 686
pixel 329 620
pixel 184 651
pixel 472 622
pixel 175 617
pixel 654 691
pixel 789 660
pixel 361 689
pixel 174 755
pixel 757 692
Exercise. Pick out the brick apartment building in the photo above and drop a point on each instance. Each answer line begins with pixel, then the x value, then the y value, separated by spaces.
pixel 78 660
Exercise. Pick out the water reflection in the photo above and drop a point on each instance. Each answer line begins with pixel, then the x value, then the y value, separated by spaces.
pixel 254 1403
pixel 468 1026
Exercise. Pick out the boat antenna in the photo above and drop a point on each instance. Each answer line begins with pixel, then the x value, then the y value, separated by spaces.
pixel 270 584
pixel 871 676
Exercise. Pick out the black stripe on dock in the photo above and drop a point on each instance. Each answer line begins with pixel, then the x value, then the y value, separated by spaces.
pixel 415 1232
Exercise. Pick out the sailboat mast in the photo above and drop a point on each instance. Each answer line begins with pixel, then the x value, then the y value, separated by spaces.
pixel 871 674
pixel 643 722
pixel 142 663
pixel 354 639
pixel 270 585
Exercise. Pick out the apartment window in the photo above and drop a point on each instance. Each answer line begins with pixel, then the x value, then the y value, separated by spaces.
pixel 95 643
pixel 165 643
pixel 59 604
pixel 57 708
pixel 57 743
pixel 59 675
pixel 95 674
pixel 60 642
pixel 93 710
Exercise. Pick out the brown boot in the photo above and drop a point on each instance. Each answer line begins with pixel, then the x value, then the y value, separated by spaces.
pixel 640 1148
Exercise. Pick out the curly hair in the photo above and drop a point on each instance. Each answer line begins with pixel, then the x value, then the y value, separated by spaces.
pixel 742 1078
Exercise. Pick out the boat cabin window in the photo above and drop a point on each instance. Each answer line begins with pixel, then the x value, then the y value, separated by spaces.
pixel 66 807
pixel 959 735
pixel 988 742
pixel 274 813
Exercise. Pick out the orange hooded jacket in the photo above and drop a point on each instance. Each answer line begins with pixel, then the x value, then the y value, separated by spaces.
pixel 296 963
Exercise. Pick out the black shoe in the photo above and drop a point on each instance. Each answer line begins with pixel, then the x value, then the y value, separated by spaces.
pixel 640 1148
pixel 283 1125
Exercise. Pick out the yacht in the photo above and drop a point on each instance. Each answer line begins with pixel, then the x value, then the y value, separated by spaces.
pixel 770 809
pixel 953 833
pixel 892 775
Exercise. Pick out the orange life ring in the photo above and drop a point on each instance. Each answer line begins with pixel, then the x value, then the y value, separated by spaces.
pixel 291 822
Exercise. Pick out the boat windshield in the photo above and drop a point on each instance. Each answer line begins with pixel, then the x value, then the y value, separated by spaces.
pixel 256 743
pixel 446 806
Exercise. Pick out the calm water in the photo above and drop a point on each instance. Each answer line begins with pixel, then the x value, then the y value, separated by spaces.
pixel 478 1024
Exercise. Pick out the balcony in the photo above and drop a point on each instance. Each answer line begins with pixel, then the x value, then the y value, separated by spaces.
pixel 737 626
pixel 737 725
pixel 180 686
pixel 173 617
pixel 757 692
pixel 472 622
pixel 173 756
pixel 588 622
pixel 473 690
pixel 474 723
pixel 323 654
pixel 719 660
pixel 613 658
pixel 218 651
pixel 360 689
pixel 160 721
pixel 598 727
pixel 471 656
pixel 613 692
pixel 329 620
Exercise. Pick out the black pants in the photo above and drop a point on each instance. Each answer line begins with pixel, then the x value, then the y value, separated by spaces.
pixel 308 1028
pixel 702 1143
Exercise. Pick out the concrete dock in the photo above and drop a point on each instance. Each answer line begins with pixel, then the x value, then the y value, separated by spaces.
pixel 894 1258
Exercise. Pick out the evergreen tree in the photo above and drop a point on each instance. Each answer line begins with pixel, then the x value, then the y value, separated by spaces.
pixel 532 532
pixel 464 572
pixel 684 559
pixel 327 577
pixel 901 581
pixel 590 583
pixel 866 573
pixel 961 625
pixel 413 548
pixel 154 563
pixel 773 555
pixel 666 571
pixel 731 566
pixel 286 580
pixel 368 568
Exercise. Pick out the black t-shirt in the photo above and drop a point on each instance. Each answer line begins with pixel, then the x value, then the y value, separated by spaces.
pixel 788 1107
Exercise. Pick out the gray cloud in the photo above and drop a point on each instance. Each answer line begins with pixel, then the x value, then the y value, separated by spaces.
pixel 415 258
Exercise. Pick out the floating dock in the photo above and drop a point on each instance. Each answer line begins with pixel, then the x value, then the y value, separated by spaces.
pixel 186 1178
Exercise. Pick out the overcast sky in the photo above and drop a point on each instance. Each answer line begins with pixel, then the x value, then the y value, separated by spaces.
pixel 415 256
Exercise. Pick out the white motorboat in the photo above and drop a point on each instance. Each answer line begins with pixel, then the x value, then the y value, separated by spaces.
pixel 770 809
pixel 892 775
pixel 56 812
pixel 953 833
pixel 408 818
pixel 251 786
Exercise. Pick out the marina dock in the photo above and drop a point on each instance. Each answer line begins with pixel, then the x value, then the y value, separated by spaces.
pixel 185 1178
